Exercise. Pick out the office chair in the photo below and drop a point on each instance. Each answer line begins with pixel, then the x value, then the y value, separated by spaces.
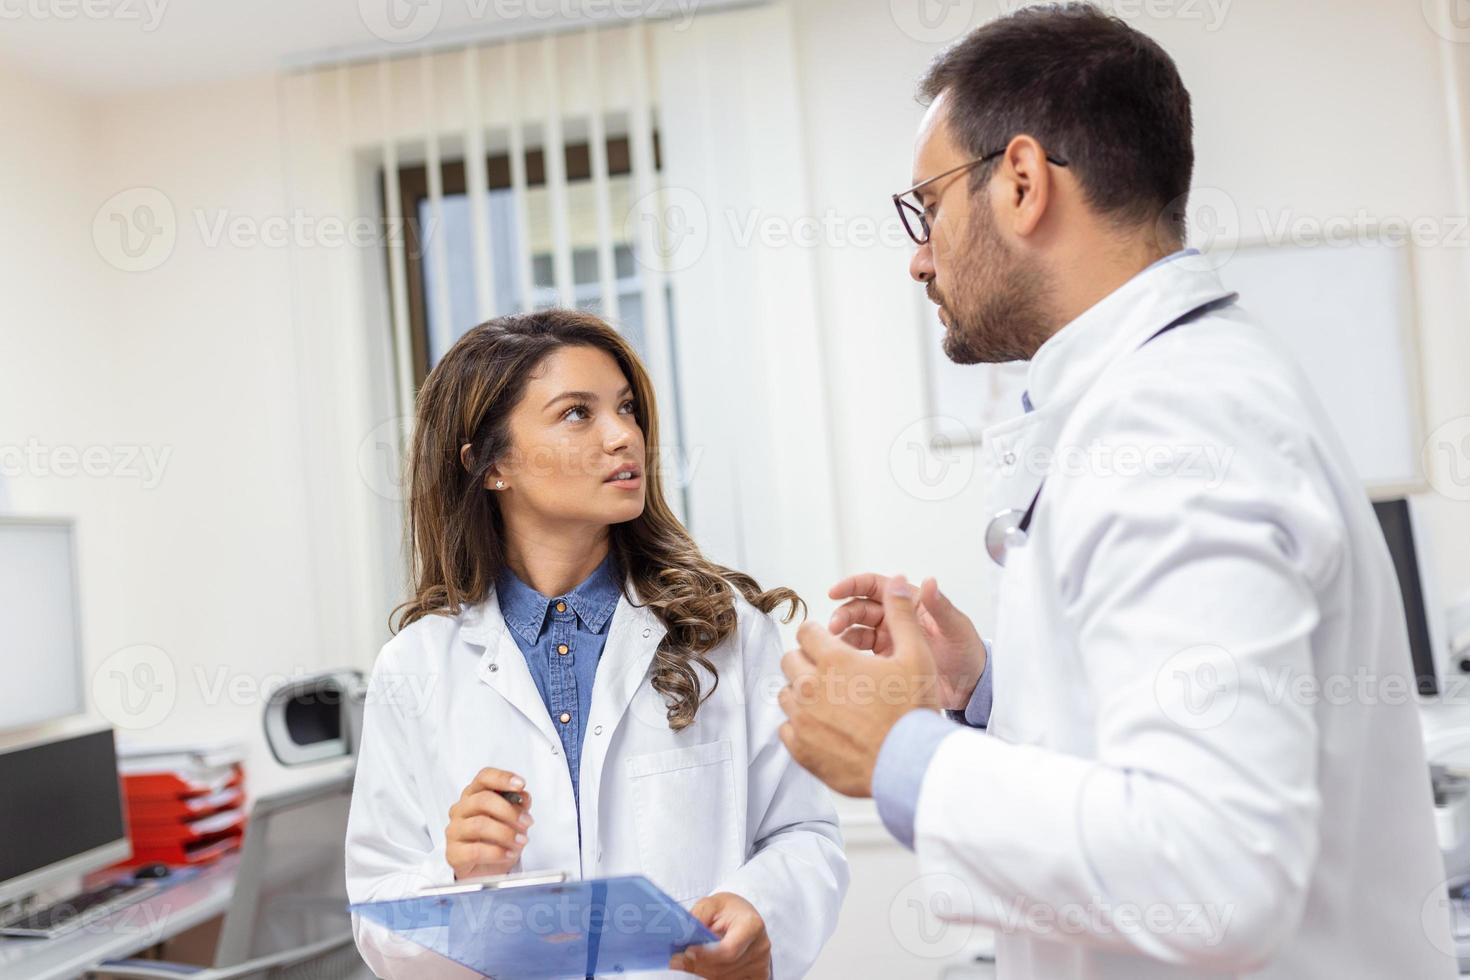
pixel 288 919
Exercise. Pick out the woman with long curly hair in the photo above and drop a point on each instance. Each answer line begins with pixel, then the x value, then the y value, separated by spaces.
pixel 566 642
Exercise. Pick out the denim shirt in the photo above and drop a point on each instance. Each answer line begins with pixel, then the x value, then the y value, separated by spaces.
pixel 562 639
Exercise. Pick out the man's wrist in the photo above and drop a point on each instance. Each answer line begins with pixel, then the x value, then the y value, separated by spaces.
pixel 961 694
pixel 898 775
pixel 975 712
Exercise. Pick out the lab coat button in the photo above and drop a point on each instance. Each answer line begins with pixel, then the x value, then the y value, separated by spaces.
pixel 648 632
pixel 597 730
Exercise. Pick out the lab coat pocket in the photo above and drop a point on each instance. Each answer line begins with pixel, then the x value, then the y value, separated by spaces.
pixel 688 821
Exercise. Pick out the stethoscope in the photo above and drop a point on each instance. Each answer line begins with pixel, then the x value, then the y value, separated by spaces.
pixel 1009 529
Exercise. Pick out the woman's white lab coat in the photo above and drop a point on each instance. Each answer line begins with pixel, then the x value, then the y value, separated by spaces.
pixel 720 806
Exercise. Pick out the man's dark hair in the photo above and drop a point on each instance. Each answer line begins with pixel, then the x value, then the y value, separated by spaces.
pixel 1092 90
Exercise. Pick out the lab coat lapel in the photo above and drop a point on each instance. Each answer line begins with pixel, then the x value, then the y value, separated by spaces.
pixel 632 641
pixel 503 667
pixel 1019 454
pixel 1023 449
pixel 1117 325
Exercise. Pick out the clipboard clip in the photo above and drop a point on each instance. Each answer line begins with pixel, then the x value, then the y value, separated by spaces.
pixel 524 879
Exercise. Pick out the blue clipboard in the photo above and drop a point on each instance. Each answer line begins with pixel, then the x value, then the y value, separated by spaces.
pixel 543 930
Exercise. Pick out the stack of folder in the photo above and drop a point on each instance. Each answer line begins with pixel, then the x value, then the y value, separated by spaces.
pixel 185 804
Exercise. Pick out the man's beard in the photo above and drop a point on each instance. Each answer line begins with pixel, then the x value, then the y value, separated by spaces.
pixel 996 304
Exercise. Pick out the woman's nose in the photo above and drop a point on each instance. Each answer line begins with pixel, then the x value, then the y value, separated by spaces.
pixel 620 434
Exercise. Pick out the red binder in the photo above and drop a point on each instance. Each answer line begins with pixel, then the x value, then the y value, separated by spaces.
pixel 171 811
pixel 188 832
pixel 171 786
pixel 185 805
pixel 197 852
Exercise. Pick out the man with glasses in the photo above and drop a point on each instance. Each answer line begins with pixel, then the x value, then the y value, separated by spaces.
pixel 1141 774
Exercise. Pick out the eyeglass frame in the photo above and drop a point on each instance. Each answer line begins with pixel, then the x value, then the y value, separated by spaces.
pixel 900 204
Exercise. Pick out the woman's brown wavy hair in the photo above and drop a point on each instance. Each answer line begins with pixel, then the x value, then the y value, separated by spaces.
pixel 456 532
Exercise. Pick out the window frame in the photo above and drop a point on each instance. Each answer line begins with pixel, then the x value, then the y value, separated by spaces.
pixel 413 190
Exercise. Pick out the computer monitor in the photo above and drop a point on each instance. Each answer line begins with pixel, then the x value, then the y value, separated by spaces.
pixel 61 812
pixel 1398 530
pixel 40 639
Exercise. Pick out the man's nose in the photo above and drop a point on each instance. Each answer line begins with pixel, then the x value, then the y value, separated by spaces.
pixel 921 266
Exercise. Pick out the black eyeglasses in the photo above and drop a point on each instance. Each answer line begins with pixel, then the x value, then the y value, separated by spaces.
pixel 912 212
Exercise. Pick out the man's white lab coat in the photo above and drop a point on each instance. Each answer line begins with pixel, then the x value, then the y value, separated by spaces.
pixel 1204 757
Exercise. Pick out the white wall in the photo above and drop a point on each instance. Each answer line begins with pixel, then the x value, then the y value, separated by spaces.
pixel 53 348
pixel 225 577
pixel 54 344
pixel 202 567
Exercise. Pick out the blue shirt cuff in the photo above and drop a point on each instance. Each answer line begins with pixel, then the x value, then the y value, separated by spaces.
pixel 899 773
pixel 977 712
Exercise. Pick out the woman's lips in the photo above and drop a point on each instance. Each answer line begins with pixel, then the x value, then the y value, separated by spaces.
pixel 631 482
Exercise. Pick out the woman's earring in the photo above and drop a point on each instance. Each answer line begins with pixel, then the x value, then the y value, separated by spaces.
pixel 499 484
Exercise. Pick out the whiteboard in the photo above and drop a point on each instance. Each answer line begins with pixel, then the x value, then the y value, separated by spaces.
pixel 1346 313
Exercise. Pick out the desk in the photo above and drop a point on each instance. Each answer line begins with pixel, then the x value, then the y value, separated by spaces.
pixel 173 909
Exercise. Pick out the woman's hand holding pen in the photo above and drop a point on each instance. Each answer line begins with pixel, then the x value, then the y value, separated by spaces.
pixel 487 830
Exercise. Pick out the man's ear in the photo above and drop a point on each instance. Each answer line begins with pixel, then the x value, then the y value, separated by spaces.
pixel 1027 179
